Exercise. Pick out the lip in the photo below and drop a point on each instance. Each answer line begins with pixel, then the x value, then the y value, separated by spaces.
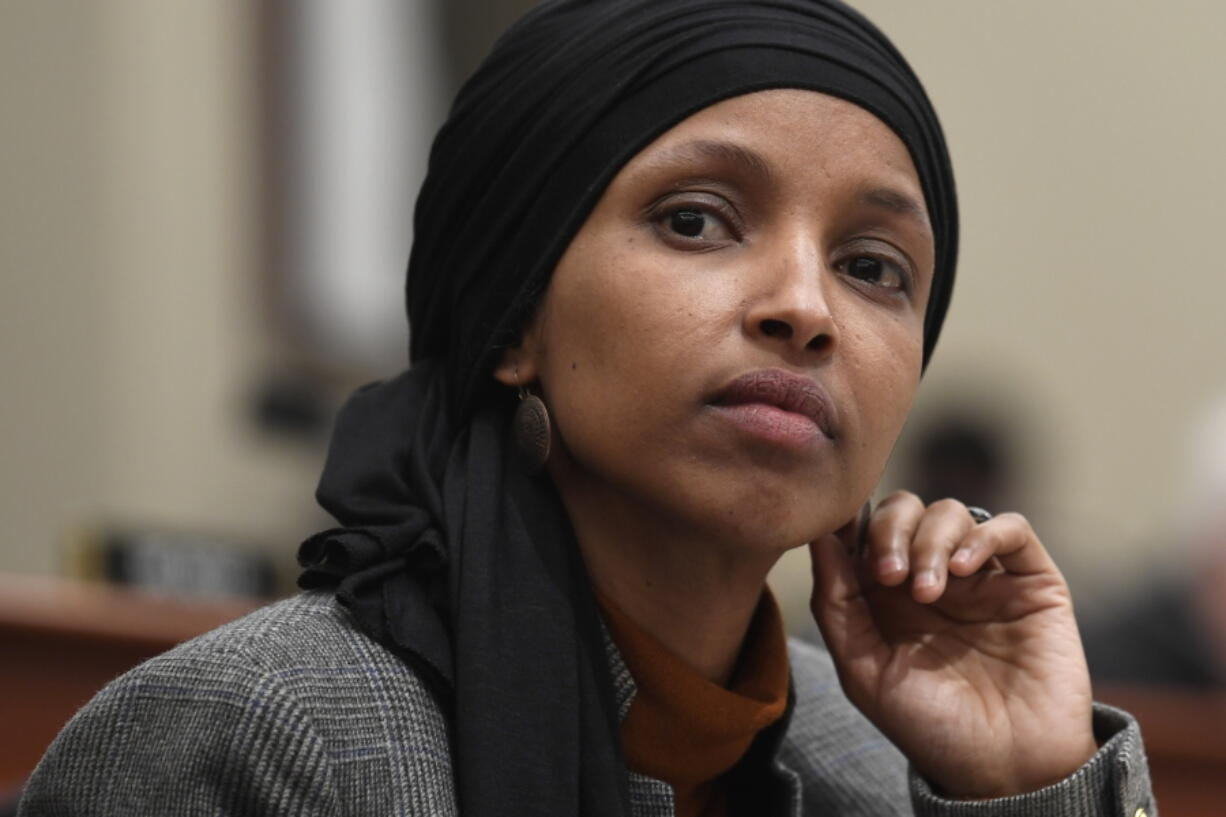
pixel 778 404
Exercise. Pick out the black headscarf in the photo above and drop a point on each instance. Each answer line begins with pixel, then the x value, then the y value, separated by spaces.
pixel 447 552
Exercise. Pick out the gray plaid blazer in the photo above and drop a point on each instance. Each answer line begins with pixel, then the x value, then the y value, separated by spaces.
pixel 292 710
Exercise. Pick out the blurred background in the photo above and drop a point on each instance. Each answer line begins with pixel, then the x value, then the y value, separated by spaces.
pixel 205 212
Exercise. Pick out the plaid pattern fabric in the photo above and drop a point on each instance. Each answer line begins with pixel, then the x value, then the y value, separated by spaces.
pixel 292 711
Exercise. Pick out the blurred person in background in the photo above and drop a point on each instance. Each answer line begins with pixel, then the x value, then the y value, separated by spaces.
pixel 964 456
pixel 677 270
pixel 1172 630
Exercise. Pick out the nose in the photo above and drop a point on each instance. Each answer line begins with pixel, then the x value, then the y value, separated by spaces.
pixel 791 310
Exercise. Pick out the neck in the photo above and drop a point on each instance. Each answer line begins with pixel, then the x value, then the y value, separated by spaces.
pixel 694 595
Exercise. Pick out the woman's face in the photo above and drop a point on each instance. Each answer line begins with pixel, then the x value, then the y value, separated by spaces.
pixel 733 339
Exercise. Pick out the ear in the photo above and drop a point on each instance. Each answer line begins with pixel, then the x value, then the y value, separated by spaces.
pixel 519 364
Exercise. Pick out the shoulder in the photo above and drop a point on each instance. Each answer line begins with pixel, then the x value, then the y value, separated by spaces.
pixel 844 764
pixel 306 633
pixel 303 653
pixel 291 704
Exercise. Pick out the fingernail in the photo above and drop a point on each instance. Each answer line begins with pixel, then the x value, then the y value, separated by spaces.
pixel 926 578
pixel 890 564
pixel 961 555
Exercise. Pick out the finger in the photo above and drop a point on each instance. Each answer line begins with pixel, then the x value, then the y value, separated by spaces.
pixel 842 612
pixel 978 548
pixel 973 557
pixel 941 530
pixel 1009 540
pixel 890 530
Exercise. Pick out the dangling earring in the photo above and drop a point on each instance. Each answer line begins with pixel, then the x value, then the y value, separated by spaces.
pixel 532 432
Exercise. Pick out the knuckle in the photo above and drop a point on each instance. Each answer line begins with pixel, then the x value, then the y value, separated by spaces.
pixel 900 499
pixel 1005 532
pixel 948 505
pixel 1014 521
pixel 1013 517
pixel 901 512
pixel 993 537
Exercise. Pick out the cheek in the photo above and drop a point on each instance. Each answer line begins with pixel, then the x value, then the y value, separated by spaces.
pixel 626 323
pixel 887 377
pixel 629 360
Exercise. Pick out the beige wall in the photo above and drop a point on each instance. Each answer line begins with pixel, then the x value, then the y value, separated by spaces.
pixel 50 239
pixel 132 245
pixel 1087 137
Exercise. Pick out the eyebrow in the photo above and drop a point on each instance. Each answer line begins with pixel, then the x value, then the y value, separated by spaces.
pixel 895 201
pixel 726 152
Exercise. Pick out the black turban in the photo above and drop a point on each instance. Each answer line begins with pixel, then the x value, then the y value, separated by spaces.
pixel 446 551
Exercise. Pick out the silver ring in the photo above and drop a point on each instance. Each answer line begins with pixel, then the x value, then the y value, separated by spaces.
pixel 978 514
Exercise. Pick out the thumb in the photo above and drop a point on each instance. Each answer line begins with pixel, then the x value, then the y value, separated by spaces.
pixel 842 611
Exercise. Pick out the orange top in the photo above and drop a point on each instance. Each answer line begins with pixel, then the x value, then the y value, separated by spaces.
pixel 688 731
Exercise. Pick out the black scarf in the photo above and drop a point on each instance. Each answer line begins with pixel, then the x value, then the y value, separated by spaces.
pixel 447 553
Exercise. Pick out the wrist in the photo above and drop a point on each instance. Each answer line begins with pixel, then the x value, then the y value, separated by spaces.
pixel 987 785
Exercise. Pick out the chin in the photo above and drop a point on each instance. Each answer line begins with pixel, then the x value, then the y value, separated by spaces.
pixel 765 520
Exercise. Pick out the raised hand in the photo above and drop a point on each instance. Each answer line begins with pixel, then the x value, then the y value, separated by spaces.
pixel 958 641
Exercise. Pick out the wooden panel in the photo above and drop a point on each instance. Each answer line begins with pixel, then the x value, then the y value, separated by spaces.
pixel 61 642
pixel 1185 739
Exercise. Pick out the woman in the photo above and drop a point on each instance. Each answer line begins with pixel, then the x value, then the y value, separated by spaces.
pixel 678 267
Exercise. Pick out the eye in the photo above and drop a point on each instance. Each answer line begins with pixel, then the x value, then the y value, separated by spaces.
pixel 689 223
pixel 876 271
pixel 877 264
pixel 697 225
pixel 695 221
